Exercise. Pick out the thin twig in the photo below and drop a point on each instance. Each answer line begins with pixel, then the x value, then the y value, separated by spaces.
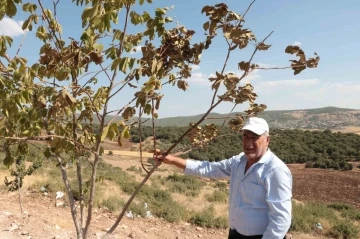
pixel 19 189
pixel 222 72
pixel 275 68
pixel 48 21
pixel 252 56
pixel 104 70
pixel 21 44
pixel 228 115
pixel 128 78
pixel 153 123
pixel 140 143
pixel 248 9
pixel 119 111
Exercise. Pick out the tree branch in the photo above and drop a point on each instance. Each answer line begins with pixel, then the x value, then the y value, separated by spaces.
pixel 252 56
pixel 98 143
pixel 70 196
pixel 48 22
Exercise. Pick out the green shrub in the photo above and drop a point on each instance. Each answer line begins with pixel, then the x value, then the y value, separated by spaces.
pixel 188 185
pixel 351 214
pixel 134 169
pixel 207 218
pixel 110 152
pixel 347 211
pixel 221 222
pixel 157 181
pixel 218 196
pixel 306 216
pixel 113 203
pixel 137 209
pixel 309 164
pixel 222 186
pixel 343 230
pixel 339 206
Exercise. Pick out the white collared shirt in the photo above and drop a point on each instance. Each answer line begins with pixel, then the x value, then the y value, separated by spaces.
pixel 260 200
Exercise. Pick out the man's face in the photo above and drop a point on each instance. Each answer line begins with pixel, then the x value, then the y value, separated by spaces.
pixel 254 146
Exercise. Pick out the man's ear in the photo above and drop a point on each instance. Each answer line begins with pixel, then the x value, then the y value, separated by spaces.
pixel 268 139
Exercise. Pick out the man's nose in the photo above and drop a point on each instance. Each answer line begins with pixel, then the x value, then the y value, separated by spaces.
pixel 249 142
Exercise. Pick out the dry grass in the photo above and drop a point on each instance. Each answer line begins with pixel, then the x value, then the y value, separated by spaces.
pixel 349 129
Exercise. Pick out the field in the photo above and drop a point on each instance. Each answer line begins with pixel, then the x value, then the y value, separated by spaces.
pixel 43 220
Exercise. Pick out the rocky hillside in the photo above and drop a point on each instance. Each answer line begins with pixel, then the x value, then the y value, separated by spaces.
pixel 321 118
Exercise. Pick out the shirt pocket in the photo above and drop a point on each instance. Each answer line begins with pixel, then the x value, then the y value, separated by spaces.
pixel 255 195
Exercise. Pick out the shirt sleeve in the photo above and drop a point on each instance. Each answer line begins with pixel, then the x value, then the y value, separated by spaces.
pixel 214 170
pixel 279 193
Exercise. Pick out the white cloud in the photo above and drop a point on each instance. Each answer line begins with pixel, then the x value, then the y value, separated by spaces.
pixel 9 27
pixel 195 67
pixel 199 78
pixel 297 43
pixel 307 93
pixel 254 75
pixel 136 50
pixel 287 83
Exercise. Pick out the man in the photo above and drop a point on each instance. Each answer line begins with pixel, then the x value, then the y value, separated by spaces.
pixel 260 184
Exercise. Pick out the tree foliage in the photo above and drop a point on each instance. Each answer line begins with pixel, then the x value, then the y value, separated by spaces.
pixel 52 98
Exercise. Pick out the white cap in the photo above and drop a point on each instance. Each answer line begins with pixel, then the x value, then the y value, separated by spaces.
pixel 256 125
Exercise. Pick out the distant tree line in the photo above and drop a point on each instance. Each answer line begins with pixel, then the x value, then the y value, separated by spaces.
pixel 319 149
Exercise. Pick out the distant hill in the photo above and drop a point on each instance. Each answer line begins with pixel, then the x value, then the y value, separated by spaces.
pixel 319 118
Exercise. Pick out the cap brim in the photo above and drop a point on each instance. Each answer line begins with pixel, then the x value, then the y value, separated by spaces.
pixel 254 130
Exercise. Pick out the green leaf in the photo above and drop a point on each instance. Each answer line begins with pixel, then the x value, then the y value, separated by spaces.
pixel 27 25
pixel 148 88
pixel 141 2
pixel 29 7
pixel 101 151
pixel 47 153
pixel 126 133
pixel 115 63
pixel 104 133
pixel 10 8
pixel 113 131
pixel 147 109
pixel 124 64
pixel 8 160
pixel 98 46
pixel 23 147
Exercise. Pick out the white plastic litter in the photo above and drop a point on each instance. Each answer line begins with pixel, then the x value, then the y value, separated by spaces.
pixel 59 195
pixel 129 214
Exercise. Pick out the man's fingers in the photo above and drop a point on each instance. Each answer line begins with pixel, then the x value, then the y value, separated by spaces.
pixel 156 151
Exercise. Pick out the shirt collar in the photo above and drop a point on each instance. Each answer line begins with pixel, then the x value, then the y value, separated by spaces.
pixel 266 157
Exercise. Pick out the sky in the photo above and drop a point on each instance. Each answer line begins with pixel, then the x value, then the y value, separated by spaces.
pixel 329 28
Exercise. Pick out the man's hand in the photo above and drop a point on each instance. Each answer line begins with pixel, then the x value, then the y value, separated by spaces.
pixel 169 159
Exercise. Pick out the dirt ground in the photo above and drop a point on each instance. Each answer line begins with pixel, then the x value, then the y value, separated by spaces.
pixel 328 186
pixel 42 220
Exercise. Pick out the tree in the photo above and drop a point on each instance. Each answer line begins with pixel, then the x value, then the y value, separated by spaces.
pixel 52 99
